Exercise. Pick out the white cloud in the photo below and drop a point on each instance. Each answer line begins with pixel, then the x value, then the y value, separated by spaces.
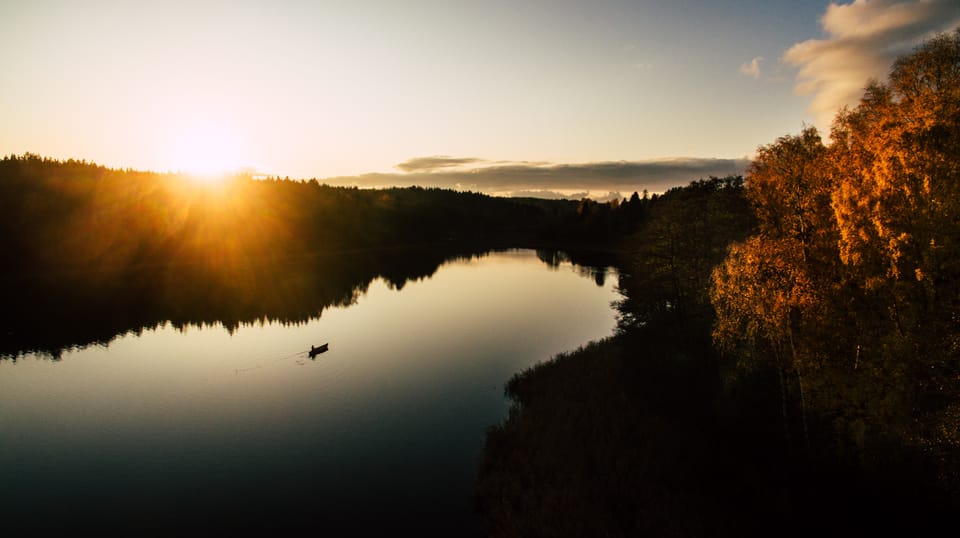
pixel 863 39
pixel 752 68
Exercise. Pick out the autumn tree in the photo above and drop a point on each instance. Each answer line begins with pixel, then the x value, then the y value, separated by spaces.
pixel 899 171
pixel 771 288
pixel 897 206
pixel 789 187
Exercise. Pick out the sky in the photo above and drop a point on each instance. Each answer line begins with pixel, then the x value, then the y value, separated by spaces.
pixel 499 96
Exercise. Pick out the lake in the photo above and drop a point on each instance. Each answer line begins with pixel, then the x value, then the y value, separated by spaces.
pixel 188 427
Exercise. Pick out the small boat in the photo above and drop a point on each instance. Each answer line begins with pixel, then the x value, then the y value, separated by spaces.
pixel 316 350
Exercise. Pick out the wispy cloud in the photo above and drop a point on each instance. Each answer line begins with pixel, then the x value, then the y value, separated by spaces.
pixel 752 68
pixel 436 162
pixel 498 177
pixel 863 39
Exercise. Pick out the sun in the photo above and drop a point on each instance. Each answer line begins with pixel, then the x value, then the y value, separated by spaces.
pixel 207 152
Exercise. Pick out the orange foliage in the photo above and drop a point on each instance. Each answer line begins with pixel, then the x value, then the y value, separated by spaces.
pixel 857 263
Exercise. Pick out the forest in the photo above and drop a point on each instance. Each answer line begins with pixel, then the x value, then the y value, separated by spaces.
pixel 77 216
pixel 787 359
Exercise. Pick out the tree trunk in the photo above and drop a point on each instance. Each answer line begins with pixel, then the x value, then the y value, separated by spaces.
pixel 788 443
pixel 803 412
pixel 803 406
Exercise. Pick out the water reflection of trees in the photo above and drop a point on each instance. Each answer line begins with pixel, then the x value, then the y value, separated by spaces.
pixel 49 314
pixel 592 264
pixel 92 252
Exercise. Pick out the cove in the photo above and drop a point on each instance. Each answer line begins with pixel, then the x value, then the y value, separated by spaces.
pixel 192 427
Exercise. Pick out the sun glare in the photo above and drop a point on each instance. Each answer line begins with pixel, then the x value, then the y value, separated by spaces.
pixel 207 152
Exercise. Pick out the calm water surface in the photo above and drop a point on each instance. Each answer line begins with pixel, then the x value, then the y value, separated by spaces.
pixel 208 428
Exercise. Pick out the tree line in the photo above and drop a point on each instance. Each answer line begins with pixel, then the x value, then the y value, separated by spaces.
pixel 73 214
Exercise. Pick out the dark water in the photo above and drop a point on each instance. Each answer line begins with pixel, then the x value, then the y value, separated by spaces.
pixel 197 429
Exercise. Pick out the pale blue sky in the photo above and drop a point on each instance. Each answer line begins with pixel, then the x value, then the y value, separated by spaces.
pixel 317 89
